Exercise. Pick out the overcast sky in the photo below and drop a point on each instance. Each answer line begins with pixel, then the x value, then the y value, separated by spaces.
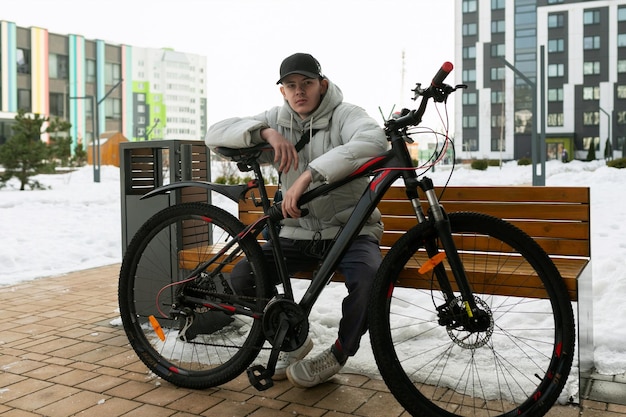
pixel 359 43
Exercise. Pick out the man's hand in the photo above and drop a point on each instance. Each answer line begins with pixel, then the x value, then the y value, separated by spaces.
pixel 293 194
pixel 284 151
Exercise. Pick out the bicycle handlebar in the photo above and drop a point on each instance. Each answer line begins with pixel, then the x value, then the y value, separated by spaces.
pixel 441 75
pixel 436 89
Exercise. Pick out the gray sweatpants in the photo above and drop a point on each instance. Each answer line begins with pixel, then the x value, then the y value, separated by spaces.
pixel 358 265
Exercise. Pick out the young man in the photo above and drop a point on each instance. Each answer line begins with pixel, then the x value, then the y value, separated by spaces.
pixel 341 137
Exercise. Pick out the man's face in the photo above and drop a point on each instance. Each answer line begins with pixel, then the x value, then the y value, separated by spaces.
pixel 303 93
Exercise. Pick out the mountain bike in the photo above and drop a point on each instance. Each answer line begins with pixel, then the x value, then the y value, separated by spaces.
pixel 448 348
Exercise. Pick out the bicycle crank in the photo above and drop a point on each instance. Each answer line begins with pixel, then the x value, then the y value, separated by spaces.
pixel 286 328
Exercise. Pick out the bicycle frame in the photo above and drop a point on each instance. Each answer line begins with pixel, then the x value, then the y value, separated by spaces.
pixel 384 169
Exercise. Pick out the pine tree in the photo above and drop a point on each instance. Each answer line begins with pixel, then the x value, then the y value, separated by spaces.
pixel 591 155
pixel 24 154
pixel 608 150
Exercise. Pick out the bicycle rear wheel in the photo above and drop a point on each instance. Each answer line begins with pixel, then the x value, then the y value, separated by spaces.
pixel 435 367
pixel 192 329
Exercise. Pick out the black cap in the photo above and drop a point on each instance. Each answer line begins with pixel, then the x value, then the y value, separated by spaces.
pixel 300 63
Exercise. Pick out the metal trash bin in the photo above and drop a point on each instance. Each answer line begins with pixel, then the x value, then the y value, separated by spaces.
pixel 145 166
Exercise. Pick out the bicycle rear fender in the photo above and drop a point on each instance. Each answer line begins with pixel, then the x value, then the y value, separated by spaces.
pixel 235 192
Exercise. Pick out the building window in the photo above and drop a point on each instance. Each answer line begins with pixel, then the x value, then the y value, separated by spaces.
pixel 498 144
pixel 497 73
pixel 58 66
pixel 469 6
pixel 113 108
pixel 591 93
pixel 621 65
pixel 591 118
pixel 621 14
pixel 555 20
pixel 555 119
pixel 555 94
pixel 497 49
pixel 591 68
pixel 23 61
pixel 497 4
pixel 112 73
pixel 621 91
pixel 57 104
pixel 589 140
pixel 469 52
pixel 497 97
pixel 556 70
pixel 469 98
pixel 497 120
pixel 498 26
pixel 90 71
pixel 470 121
pixel 469 76
pixel 89 107
pixel 470 145
pixel 621 39
pixel 555 1
pixel 556 45
pixel 23 99
pixel 591 17
pixel 470 29
pixel 621 117
pixel 591 42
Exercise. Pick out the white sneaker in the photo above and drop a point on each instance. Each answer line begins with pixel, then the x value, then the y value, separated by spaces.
pixel 287 358
pixel 311 372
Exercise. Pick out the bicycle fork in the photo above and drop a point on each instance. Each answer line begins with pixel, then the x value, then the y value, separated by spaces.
pixel 470 316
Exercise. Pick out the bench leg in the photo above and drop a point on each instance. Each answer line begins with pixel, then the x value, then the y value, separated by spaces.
pixel 585 330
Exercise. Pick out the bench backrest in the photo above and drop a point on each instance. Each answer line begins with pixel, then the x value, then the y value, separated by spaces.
pixel 556 217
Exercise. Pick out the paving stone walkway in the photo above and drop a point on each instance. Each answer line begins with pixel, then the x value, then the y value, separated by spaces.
pixel 60 356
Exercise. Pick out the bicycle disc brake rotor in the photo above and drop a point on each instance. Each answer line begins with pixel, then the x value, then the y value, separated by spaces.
pixel 462 335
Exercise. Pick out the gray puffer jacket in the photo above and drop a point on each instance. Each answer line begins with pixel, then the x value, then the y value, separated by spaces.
pixel 345 137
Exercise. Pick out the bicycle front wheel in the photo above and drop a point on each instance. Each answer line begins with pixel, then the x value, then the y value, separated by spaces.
pixel 516 365
pixel 186 323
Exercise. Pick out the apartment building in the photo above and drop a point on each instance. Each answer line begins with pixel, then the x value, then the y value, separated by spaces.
pixel 146 94
pixel 581 97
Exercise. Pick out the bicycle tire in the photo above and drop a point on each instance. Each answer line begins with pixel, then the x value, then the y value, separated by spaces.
pixel 162 253
pixel 435 370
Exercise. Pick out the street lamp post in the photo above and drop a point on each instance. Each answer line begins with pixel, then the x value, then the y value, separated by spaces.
pixel 95 142
pixel 537 147
pixel 609 116
pixel 96 172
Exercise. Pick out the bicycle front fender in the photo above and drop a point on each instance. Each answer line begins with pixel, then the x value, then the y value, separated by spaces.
pixel 235 192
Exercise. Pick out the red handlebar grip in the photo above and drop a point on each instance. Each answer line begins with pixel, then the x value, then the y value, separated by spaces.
pixel 443 72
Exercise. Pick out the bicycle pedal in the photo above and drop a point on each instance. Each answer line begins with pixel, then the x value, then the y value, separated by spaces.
pixel 259 377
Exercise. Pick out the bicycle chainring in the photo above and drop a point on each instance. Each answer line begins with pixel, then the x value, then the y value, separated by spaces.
pixel 279 310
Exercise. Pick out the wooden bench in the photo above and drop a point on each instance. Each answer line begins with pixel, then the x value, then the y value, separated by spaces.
pixel 557 218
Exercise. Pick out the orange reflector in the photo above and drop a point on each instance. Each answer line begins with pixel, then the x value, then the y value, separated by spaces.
pixel 157 328
pixel 432 262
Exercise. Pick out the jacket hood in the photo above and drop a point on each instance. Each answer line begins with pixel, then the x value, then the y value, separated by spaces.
pixel 320 118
